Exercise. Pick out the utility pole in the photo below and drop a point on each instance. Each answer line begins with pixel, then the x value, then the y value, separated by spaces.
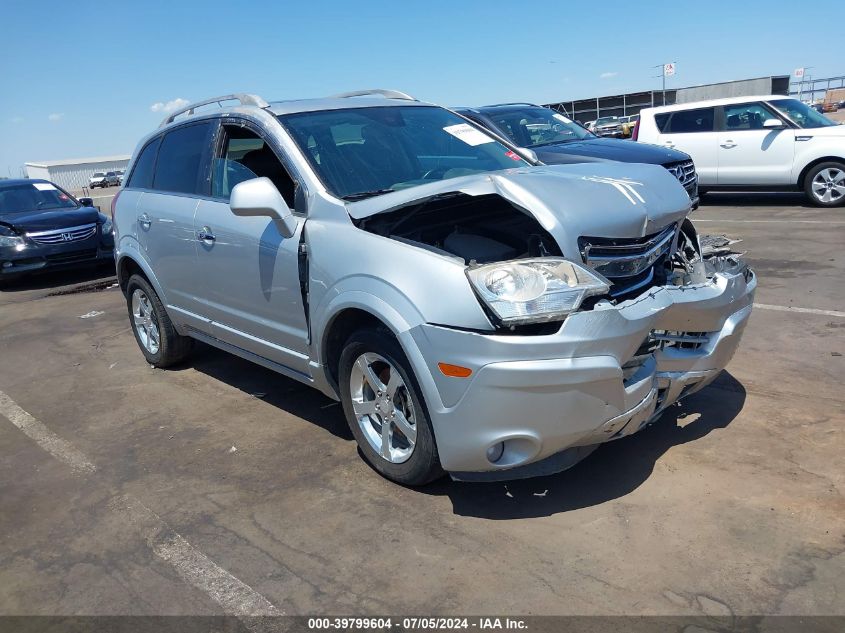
pixel 666 70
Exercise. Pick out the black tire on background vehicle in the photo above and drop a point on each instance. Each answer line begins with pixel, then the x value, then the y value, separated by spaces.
pixel 824 184
pixel 372 356
pixel 153 330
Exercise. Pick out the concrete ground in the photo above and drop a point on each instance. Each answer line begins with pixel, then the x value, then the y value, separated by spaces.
pixel 220 487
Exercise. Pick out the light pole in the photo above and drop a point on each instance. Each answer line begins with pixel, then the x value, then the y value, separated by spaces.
pixel 670 67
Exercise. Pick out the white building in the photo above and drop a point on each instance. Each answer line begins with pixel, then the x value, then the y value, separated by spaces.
pixel 73 174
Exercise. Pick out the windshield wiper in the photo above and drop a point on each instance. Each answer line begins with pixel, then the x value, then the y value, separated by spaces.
pixel 363 195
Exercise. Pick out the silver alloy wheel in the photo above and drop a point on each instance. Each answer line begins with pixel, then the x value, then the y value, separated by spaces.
pixel 829 185
pixel 144 320
pixel 383 407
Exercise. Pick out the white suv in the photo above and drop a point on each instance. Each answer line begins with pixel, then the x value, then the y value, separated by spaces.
pixel 769 142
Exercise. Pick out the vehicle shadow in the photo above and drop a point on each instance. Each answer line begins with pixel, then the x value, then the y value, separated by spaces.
pixel 283 393
pixel 60 278
pixel 756 199
pixel 613 471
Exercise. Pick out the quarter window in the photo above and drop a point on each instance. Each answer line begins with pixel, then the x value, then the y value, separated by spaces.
pixel 180 159
pixel 686 121
pixel 142 174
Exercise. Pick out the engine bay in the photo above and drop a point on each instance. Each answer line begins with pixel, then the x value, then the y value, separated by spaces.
pixel 479 229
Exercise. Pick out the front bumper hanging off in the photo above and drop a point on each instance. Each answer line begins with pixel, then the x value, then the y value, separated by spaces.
pixel 552 399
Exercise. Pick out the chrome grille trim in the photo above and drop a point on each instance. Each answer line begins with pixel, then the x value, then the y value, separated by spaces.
pixel 629 264
pixel 683 171
pixel 62 236
pixel 641 255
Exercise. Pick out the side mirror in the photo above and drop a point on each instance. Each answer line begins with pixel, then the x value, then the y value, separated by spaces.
pixel 528 154
pixel 259 197
pixel 86 202
pixel 773 124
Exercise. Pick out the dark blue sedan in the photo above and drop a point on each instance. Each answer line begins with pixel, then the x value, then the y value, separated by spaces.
pixel 44 227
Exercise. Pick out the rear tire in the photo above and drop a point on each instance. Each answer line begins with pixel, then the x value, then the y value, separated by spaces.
pixel 160 344
pixel 375 376
pixel 824 184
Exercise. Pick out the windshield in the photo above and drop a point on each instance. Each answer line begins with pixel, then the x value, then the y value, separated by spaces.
pixel 532 127
pixel 362 152
pixel 34 197
pixel 802 114
pixel 607 119
pixel 98 174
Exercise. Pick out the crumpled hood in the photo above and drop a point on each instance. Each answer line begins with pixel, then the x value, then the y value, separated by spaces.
pixel 29 221
pixel 609 149
pixel 589 199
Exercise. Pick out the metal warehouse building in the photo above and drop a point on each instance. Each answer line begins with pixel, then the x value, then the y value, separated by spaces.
pixel 74 173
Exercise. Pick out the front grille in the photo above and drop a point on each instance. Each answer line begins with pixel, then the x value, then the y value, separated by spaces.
pixel 60 236
pixel 680 340
pixel 75 256
pixel 629 263
pixel 684 172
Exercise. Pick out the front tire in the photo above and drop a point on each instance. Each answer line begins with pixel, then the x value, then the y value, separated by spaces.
pixel 154 332
pixel 824 184
pixel 383 405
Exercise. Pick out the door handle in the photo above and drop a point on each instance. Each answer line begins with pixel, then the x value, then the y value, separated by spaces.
pixel 728 144
pixel 669 144
pixel 205 235
pixel 145 221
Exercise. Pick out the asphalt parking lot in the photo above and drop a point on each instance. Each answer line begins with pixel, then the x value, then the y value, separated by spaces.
pixel 221 487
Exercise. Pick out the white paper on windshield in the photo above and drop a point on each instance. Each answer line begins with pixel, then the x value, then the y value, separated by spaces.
pixel 43 186
pixel 468 134
pixel 560 117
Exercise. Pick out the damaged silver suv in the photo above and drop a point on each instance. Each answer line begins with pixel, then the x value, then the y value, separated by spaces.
pixel 474 312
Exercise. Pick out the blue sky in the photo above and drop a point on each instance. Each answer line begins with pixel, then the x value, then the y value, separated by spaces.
pixel 81 79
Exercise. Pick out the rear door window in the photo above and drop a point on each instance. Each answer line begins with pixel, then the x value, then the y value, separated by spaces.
pixel 686 121
pixel 142 174
pixel 181 167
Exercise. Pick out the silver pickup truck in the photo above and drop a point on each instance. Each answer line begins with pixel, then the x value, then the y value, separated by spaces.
pixel 474 311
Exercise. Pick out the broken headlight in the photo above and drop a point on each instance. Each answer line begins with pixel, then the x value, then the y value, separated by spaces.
pixel 535 290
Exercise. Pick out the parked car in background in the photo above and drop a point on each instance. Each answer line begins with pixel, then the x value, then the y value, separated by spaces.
pixel 119 174
pixel 98 179
pixel 103 180
pixel 608 126
pixel 768 142
pixel 628 123
pixel 556 139
pixel 43 227
pixel 472 311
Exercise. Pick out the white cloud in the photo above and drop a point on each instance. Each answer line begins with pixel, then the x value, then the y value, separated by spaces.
pixel 170 106
pixel 56 116
pixel 608 75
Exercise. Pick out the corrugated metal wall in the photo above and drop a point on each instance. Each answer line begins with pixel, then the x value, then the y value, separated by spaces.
pixel 73 177
pixel 760 86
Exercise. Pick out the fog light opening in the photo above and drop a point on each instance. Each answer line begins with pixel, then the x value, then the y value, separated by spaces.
pixel 494 453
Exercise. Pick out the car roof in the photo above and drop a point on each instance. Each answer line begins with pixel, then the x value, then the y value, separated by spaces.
pixel 715 102
pixel 21 181
pixel 333 103
pixel 499 107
